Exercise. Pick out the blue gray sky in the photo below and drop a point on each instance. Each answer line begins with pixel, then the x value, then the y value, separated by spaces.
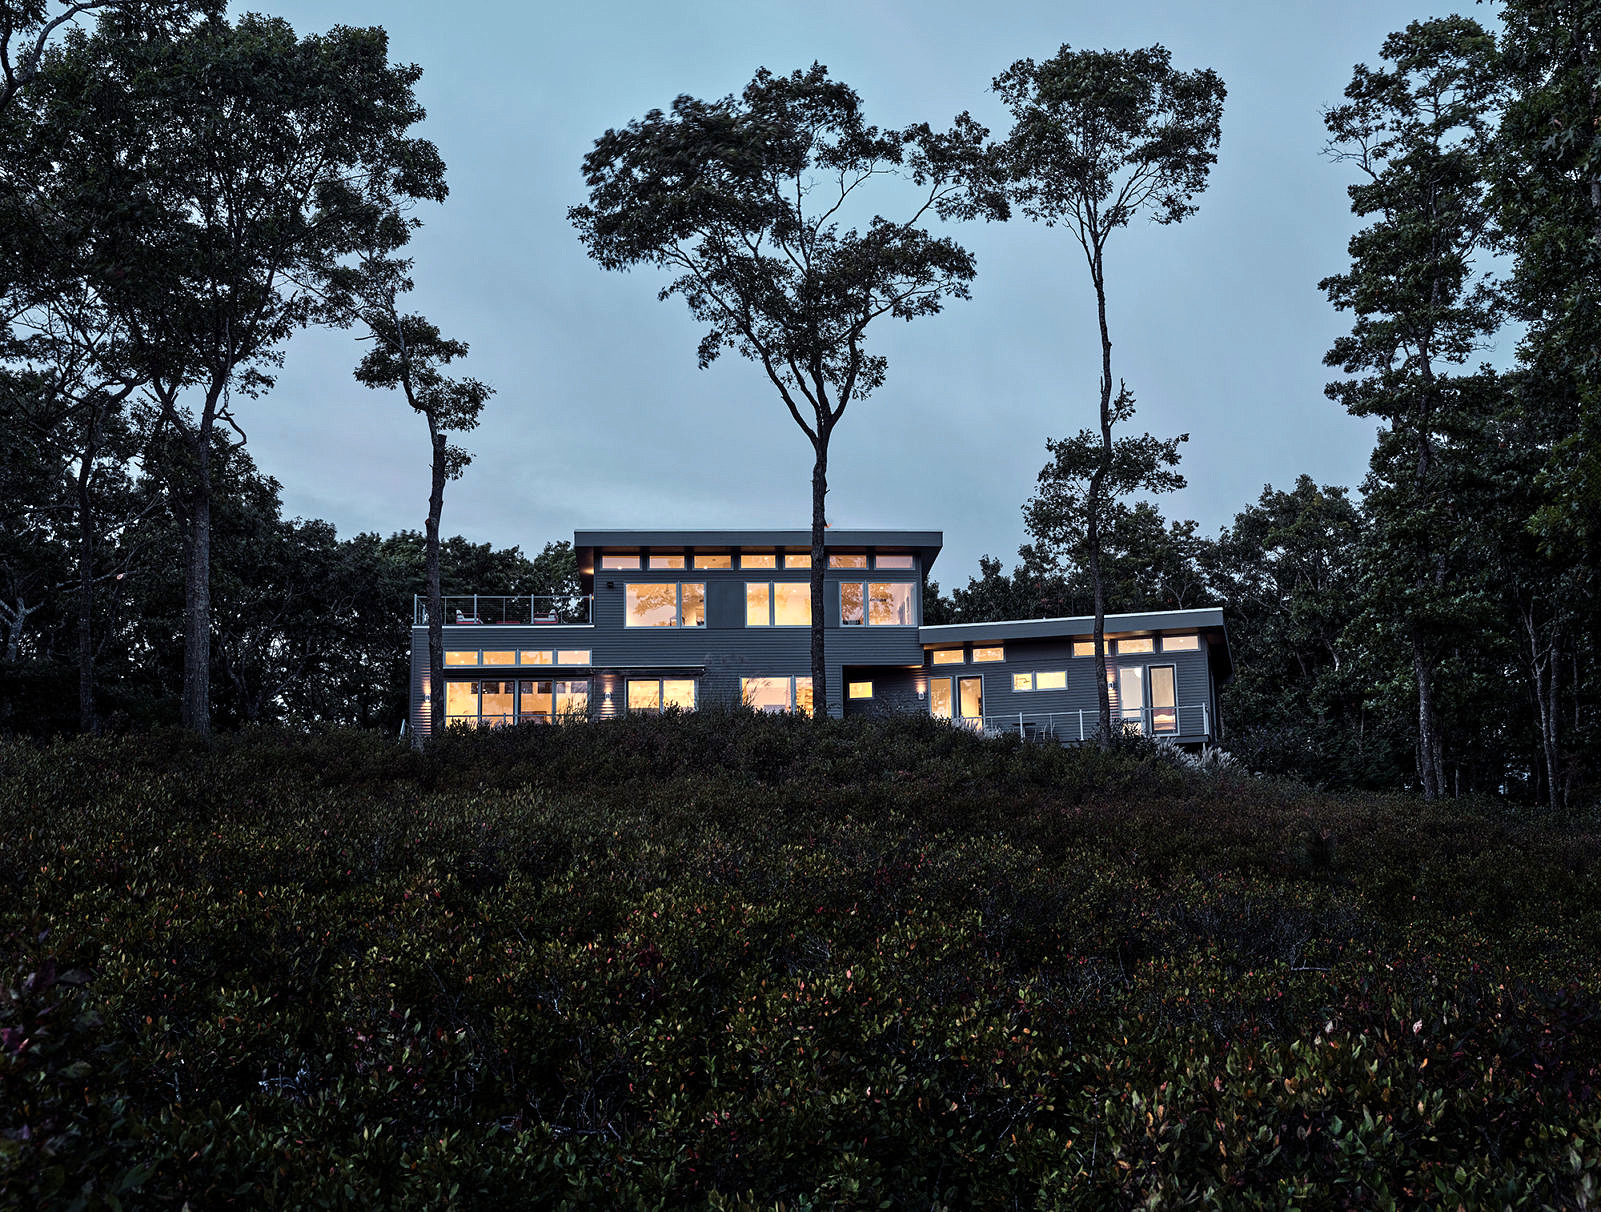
pixel 602 418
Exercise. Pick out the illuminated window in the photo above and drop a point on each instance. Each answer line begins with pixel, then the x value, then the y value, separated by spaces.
pixel 948 656
pixel 847 561
pixel 778 604
pixel 893 561
pixel 694 598
pixel 650 696
pixel 774 695
pixel 500 658
pixel 889 604
pixel 988 654
pixel 801 559
pixel 1022 681
pixel 1164 699
pixel 469 657
pixel 670 605
pixel 939 698
pixel 497 703
pixel 1083 648
pixel 461 703
pixel 669 562
pixel 758 604
pixel 544 657
pixel 747 560
pixel 877 603
pixel 714 561
pixel 573 656
pixel 535 702
pixel 851 611
pixel 1135 647
pixel 572 700
pixel 1055 680
pixel 623 563
pixel 792 604
pixel 861 690
pixel 1181 643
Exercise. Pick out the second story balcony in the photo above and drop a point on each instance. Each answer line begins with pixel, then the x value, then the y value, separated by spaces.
pixel 524 610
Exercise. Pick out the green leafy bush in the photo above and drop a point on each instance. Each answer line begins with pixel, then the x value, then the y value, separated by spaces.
pixel 739 961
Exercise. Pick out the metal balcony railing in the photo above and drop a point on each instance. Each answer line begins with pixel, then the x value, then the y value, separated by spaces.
pixel 488 610
pixel 1191 720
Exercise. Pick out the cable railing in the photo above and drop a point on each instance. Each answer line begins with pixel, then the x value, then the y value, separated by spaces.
pixel 525 610
pixel 1189 720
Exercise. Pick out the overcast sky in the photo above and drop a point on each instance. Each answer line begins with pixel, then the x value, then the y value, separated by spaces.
pixel 601 417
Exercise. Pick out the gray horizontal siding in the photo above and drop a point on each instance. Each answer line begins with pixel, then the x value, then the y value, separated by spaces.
pixel 1192 679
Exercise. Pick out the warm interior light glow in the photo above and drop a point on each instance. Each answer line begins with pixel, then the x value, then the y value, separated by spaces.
pixel 988 654
pixel 1181 643
pixel 949 656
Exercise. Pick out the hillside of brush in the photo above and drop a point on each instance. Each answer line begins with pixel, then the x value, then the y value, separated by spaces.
pixel 753 961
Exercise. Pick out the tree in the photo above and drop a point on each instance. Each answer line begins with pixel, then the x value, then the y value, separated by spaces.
pixel 408 354
pixel 1100 137
pixel 1416 130
pixel 743 199
pixel 1546 190
pixel 231 166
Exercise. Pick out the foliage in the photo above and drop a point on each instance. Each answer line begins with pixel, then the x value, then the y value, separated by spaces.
pixel 744 200
pixel 751 961
pixel 1099 138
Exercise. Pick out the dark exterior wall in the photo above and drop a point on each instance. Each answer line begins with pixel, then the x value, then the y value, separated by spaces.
pixel 719 654
pixel 458 637
pixel 894 693
pixel 727 650
pixel 1192 679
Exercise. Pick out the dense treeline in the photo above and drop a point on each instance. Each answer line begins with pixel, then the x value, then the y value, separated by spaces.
pixel 308 628
pixel 1442 630
pixel 1436 628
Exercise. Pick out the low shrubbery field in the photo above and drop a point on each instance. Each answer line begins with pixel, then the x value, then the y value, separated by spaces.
pixel 728 961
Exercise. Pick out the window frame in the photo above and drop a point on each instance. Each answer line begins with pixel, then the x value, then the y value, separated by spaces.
pixel 678 623
pixel 998 649
pixel 914 608
pixel 793 681
pixel 772 603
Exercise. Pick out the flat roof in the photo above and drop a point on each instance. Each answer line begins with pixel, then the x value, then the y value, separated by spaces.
pixel 926 543
pixel 1203 618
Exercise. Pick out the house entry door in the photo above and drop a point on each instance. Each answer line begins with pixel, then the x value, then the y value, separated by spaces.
pixel 970 701
pixel 1131 698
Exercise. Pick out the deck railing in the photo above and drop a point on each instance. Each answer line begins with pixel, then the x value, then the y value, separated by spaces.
pixel 527 610
pixel 1190 720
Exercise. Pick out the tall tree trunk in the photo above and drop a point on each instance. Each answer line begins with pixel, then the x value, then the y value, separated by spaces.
pixel 1092 537
pixel 88 719
pixel 819 565
pixel 1545 668
pixel 196 703
pixel 436 601
pixel 1430 748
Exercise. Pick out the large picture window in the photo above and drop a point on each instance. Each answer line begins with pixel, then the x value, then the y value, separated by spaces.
pixel 652 696
pixel 667 605
pixel 490 704
pixel 877 604
pixel 777 694
pixel 778 604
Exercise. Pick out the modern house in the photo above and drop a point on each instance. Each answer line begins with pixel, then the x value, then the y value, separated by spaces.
pixel 686 618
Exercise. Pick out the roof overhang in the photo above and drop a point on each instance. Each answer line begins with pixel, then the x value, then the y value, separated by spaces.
pixel 1207 619
pixel 926 543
